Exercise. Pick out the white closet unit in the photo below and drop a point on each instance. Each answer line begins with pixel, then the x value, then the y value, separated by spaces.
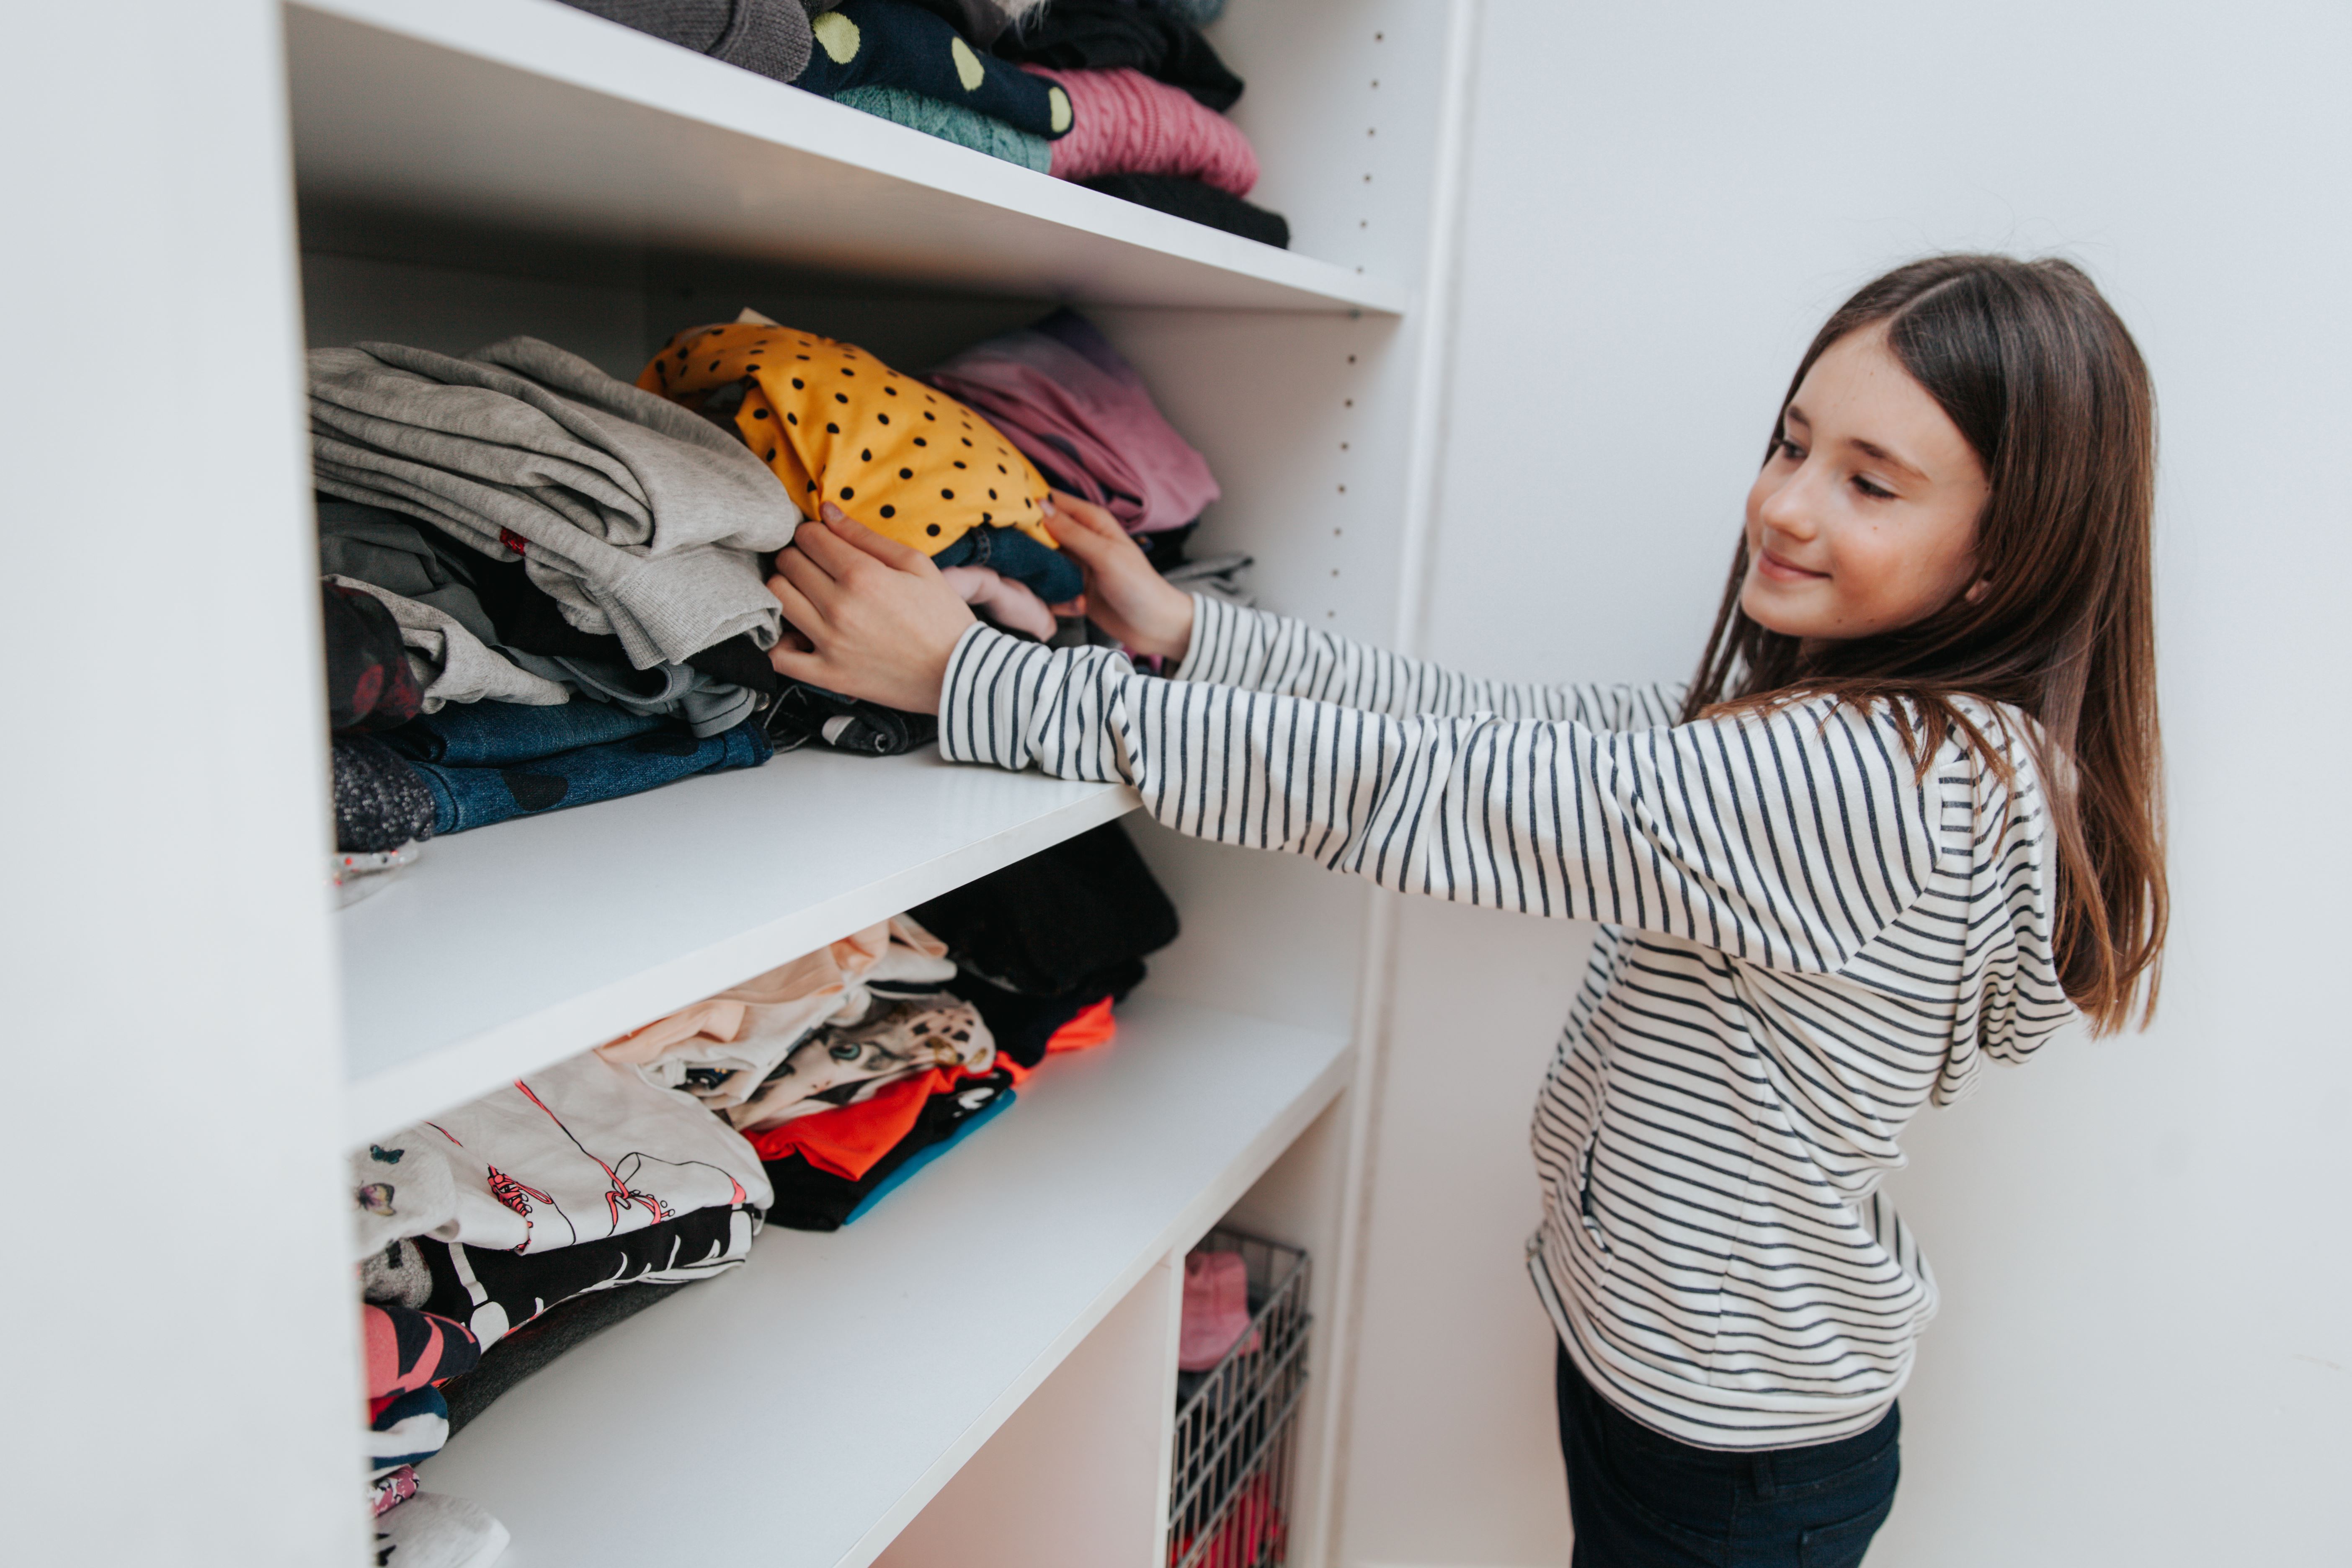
pixel 981 1372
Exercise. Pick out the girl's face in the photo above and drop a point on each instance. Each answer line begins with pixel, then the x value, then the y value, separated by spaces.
pixel 1865 518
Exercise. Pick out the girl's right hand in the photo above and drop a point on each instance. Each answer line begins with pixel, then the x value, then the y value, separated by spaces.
pixel 1124 596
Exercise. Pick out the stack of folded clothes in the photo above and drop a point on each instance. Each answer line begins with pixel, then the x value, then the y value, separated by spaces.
pixel 850 1068
pixel 1125 95
pixel 543 587
pixel 493 1238
pixel 582 1180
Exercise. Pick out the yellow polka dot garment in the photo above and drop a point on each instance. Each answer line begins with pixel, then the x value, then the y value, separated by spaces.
pixel 836 424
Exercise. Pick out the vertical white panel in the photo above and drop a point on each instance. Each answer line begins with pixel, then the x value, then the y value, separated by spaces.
pixel 1076 1478
pixel 182 1275
pixel 2141 1355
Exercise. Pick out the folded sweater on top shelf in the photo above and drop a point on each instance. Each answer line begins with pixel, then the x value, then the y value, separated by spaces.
pixel 1104 34
pixel 768 36
pixel 902 44
pixel 1129 124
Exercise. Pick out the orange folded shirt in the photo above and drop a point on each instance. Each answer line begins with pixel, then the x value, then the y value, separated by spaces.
pixel 850 1140
pixel 835 424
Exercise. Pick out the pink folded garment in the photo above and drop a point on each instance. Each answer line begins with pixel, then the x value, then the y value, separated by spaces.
pixel 1084 417
pixel 1011 604
pixel 1216 1310
pixel 1123 123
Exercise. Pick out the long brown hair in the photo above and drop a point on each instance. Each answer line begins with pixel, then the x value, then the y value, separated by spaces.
pixel 2045 382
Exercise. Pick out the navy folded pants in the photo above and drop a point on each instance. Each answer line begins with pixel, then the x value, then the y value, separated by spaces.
pixel 1640 1500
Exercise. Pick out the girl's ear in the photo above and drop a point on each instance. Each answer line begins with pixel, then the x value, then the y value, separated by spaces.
pixel 1976 590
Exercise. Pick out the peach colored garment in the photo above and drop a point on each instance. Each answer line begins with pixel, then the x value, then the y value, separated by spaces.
pixel 747 1031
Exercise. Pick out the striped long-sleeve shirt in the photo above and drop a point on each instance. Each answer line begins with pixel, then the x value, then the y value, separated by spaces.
pixel 1805 937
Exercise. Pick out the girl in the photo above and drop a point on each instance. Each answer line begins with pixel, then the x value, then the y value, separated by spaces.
pixel 1904 820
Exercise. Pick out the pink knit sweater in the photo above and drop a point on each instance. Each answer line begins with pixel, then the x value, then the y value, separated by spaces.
pixel 1123 123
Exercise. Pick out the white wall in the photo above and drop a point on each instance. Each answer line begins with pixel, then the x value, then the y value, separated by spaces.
pixel 2143 1355
pixel 175 1077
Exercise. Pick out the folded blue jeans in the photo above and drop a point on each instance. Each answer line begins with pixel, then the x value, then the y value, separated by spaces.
pixel 470 797
pixel 1008 552
pixel 496 734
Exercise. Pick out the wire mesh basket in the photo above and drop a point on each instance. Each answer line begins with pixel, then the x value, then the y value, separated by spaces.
pixel 1236 1422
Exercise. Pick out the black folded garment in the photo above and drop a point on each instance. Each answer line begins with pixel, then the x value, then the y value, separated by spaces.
pixel 1024 1026
pixel 802 713
pixel 381 803
pixel 528 619
pixel 1202 204
pixel 810 1199
pixel 1044 925
pixel 1104 34
pixel 493 1291
pixel 560 1329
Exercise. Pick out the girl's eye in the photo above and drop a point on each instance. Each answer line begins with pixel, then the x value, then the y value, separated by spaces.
pixel 1877 493
pixel 1792 451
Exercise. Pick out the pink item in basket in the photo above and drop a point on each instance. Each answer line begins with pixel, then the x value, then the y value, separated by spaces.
pixel 1216 1310
pixel 1123 123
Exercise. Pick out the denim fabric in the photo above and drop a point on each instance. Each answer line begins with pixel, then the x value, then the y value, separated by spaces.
pixel 1008 552
pixel 1640 1500
pixel 498 734
pixel 466 798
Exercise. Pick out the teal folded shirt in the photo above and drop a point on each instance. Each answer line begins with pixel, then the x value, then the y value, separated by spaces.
pixel 953 122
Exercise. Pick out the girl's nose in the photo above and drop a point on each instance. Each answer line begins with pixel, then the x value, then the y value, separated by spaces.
pixel 1788 509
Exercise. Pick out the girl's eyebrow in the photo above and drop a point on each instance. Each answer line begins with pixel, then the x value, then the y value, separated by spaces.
pixel 1884 455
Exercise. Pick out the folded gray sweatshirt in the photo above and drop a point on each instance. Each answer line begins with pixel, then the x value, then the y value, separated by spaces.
pixel 639 519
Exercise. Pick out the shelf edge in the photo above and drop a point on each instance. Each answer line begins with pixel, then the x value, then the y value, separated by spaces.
pixel 383 1101
pixel 610 61
pixel 1190 1222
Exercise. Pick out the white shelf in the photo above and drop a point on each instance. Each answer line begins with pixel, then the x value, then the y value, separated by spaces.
pixel 799 1411
pixel 528 115
pixel 510 947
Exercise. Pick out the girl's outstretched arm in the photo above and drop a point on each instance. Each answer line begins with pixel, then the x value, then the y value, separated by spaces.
pixel 1227 646
pixel 1791 839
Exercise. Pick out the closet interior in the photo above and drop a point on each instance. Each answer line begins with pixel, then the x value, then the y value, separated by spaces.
pixel 983 1370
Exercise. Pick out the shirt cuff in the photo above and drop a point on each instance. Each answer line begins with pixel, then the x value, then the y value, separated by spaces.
pixel 978 717
pixel 1218 647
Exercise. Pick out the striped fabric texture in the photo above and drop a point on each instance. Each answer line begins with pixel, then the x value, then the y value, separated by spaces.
pixel 1805 938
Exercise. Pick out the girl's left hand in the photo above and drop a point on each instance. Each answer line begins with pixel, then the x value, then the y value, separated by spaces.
pixel 879 621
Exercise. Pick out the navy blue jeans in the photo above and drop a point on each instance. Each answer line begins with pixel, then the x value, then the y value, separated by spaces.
pixel 1640 1500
